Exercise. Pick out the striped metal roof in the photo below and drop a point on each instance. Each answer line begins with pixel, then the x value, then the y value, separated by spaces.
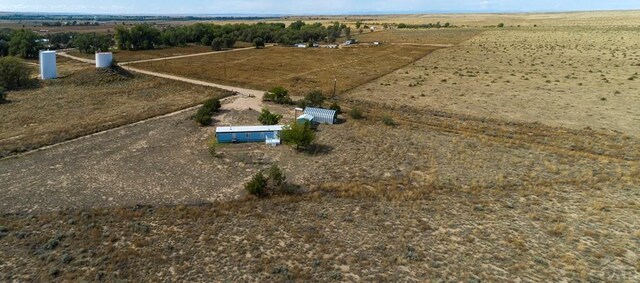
pixel 320 114
pixel 245 129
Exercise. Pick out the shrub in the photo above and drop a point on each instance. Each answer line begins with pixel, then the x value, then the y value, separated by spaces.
pixel 336 107
pixel 202 118
pixel 274 183
pixel 500 25
pixel 258 42
pixel 211 147
pixel 278 95
pixel 356 113
pixel 388 121
pixel 268 118
pixel 314 98
pixel 212 105
pixel 302 103
pixel 216 44
pixel 299 134
pixel 13 73
pixel 257 185
pixel 277 181
pixel 206 111
pixel 3 96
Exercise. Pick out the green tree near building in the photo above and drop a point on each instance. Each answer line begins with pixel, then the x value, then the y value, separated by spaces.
pixel 297 134
pixel 24 44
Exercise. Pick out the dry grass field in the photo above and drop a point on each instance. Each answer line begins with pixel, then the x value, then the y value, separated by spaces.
pixel 565 76
pixel 420 36
pixel 584 19
pixel 509 157
pixel 36 26
pixel 123 56
pixel 439 195
pixel 86 100
pixel 299 70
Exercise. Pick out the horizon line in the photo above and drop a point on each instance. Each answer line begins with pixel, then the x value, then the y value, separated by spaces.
pixel 353 13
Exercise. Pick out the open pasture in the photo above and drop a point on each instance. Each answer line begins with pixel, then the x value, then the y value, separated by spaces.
pixel 297 69
pixel 570 77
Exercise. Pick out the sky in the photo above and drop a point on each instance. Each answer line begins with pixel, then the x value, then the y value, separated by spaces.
pixel 307 7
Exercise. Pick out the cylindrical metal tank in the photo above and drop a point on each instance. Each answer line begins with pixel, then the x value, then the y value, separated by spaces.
pixel 48 69
pixel 104 59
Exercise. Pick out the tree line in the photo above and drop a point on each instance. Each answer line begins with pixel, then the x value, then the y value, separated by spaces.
pixel 26 43
pixel 425 26
pixel 147 36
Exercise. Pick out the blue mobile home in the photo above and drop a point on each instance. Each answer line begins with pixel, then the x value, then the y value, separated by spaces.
pixel 248 133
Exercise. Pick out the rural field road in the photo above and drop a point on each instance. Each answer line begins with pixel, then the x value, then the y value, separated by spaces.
pixel 242 100
pixel 245 98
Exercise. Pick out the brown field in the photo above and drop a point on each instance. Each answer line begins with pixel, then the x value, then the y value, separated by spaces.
pixel 298 70
pixel 569 77
pixel 420 36
pixel 123 56
pixel 509 157
pixel 85 101
pixel 127 56
pixel 438 196
pixel 37 27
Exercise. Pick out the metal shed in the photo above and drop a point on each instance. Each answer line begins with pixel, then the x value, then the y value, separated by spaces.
pixel 248 133
pixel 322 116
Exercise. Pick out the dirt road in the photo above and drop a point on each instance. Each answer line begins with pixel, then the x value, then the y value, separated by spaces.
pixel 246 98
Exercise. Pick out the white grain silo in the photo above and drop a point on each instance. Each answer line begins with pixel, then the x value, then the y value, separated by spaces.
pixel 104 59
pixel 48 69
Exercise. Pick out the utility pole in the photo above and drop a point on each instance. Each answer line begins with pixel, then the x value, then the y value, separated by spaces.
pixel 225 65
pixel 335 82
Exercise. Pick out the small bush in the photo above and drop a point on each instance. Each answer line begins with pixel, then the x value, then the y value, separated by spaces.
pixel 66 258
pixel 202 118
pixel 206 111
pixel 211 147
pixel 268 118
pixel 14 73
pixel 500 25
pixel 257 185
pixel 278 95
pixel 302 103
pixel 314 98
pixel 276 181
pixel 3 96
pixel 273 184
pixel 356 113
pixel 212 105
pixel 389 121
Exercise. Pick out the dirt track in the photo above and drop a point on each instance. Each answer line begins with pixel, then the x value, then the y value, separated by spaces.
pixel 250 98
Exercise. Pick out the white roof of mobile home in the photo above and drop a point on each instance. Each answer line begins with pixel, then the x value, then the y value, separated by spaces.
pixel 244 129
